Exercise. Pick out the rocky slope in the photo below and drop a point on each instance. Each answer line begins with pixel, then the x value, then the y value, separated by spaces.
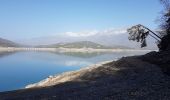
pixel 128 78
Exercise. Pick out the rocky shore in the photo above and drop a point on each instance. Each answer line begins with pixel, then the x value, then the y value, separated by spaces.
pixel 65 77
pixel 130 78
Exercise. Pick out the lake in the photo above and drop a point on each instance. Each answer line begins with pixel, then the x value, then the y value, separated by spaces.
pixel 18 69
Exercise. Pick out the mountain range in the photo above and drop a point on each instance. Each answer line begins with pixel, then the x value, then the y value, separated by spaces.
pixel 7 43
pixel 78 44
pixel 108 37
pixel 83 44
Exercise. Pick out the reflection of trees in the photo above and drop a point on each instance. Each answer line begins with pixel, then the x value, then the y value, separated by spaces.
pixel 6 53
pixel 81 54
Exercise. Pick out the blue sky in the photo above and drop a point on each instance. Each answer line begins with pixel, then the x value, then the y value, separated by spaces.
pixel 21 19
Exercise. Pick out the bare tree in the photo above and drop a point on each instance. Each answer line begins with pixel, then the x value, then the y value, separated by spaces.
pixel 165 25
pixel 139 33
pixel 166 4
pixel 165 19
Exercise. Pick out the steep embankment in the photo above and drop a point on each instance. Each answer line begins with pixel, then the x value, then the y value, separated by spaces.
pixel 127 78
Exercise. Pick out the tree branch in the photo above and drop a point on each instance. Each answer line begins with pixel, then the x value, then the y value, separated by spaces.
pixel 151 31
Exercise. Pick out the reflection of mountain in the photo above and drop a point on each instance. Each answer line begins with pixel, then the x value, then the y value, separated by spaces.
pixel 81 54
pixel 7 43
pixel 83 44
pixel 6 53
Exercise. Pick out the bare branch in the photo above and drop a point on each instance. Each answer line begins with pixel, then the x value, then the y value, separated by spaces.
pixel 139 33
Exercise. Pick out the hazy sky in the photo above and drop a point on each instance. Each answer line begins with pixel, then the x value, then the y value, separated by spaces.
pixel 21 19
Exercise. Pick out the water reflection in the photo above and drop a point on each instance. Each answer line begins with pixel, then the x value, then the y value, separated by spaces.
pixel 95 54
pixel 81 54
pixel 18 69
pixel 6 53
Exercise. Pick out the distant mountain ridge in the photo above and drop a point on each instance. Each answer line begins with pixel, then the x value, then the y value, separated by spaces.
pixel 83 44
pixel 78 44
pixel 7 43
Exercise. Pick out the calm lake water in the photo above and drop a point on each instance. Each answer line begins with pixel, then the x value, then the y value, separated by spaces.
pixel 18 69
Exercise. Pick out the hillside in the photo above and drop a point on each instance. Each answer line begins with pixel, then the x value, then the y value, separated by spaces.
pixel 7 43
pixel 83 44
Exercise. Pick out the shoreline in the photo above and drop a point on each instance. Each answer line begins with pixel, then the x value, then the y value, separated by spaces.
pixel 10 49
pixel 132 77
pixel 65 76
